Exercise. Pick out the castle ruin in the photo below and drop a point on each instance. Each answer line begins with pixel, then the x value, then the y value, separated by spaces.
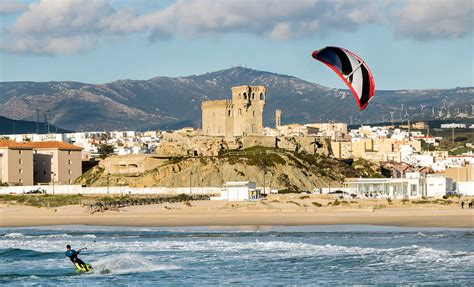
pixel 241 116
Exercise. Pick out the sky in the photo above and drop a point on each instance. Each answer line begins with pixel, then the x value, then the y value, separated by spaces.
pixel 408 44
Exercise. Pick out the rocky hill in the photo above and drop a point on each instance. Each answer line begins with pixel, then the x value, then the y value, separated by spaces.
pixel 168 103
pixel 280 169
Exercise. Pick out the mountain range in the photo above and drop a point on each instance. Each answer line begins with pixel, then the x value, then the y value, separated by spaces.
pixel 169 103
pixel 9 126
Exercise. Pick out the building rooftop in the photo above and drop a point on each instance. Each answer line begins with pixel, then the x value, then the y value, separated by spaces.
pixel 54 145
pixel 14 144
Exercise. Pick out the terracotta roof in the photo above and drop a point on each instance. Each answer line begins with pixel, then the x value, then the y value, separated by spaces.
pixel 54 145
pixel 14 144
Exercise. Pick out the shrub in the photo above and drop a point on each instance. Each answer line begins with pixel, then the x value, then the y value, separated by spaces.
pixel 295 203
pixel 317 204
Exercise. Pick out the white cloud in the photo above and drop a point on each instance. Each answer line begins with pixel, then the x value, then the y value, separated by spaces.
pixel 50 45
pixel 426 19
pixel 55 27
pixel 11 6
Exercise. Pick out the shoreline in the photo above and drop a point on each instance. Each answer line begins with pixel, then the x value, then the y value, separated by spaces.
pixel 220 214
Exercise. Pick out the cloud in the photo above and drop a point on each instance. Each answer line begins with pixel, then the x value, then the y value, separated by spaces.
pixel 11 6
pixel 426 19
pixel 56 27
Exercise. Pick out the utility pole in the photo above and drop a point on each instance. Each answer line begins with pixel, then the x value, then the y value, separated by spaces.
pixel 190 182
pixel 37 120
pixel 108 174
pixel 264 189
pixel 53 179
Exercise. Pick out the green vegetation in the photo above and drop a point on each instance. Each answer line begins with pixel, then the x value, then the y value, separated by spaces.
pixel 43 200
pixel 389 201
pixel 460 150
pixel 56 200
pixel 422 201
pixel 295 203
pixel 304 197
pixel 379 206
pixel 91 176
pixel 317 204
pixel 335 203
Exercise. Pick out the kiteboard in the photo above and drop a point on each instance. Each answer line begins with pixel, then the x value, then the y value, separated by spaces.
pixel 83 267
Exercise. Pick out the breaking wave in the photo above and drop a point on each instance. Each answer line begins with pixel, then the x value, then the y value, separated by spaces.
pixel 127 263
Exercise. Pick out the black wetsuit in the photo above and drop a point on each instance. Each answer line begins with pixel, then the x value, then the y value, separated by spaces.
pixel 72 254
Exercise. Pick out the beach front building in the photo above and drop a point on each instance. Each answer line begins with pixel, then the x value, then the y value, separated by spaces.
pixel 56 162
pixel 412 186
pixel 16 163
pixel 239 191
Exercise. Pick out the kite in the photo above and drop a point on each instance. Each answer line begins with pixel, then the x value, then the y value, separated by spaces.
pixel 352 70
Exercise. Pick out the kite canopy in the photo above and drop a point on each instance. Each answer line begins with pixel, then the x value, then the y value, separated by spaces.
pixel 352 70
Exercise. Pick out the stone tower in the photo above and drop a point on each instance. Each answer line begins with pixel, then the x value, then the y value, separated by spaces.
pixel 241 116
pixel 277 119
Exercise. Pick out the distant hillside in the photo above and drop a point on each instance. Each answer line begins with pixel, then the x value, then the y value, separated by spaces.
pixel 9 126
pixel 167 103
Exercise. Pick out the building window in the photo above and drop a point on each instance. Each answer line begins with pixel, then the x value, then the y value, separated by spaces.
pixel 253 96
pixel 253 114
pixel 229 113
pixel 19 152
pixel 20 180
pixel 20 171
pixel 261 97
pixel 69 152
pixel 20 161
pixel 44 172
pixel 70 171
pixel 69 161
pixel 245 96
pixel 240 112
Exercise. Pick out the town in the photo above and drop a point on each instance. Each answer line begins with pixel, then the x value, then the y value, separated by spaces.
pixel 413 159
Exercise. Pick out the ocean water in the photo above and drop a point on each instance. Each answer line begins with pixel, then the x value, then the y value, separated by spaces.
pixel 305 255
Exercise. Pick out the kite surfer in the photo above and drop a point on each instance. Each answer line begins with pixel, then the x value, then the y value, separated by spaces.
pixel 72 254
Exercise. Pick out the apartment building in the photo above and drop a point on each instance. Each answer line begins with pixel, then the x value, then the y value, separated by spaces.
pixel 16 163
pixel 56 162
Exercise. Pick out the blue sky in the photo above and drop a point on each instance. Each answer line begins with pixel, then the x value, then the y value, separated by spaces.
pixel 407 44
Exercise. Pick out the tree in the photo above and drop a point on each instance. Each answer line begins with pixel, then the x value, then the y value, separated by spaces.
pixel 105 149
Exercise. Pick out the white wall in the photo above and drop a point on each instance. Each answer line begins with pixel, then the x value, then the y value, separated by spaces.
pixel 465 188
pixel 435 186
pixel 77 189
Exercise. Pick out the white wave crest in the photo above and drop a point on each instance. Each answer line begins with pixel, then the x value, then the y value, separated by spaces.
pixel 14 235
pixel 127 263
pixel 62 235
pixel 89 236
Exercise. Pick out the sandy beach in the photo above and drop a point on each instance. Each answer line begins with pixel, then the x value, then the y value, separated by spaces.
pixel 276 210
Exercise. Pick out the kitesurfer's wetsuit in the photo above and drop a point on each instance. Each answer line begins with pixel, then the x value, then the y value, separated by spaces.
pixel 72 254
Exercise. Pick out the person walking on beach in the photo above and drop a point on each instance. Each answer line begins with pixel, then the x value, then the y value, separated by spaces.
pixel 462 204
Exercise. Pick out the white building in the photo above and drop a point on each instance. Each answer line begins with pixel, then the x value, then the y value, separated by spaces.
pixel 239 191
pixel 465 188
pixel 453 126
pixel 412 186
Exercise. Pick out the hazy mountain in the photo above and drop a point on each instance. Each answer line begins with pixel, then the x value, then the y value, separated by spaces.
pixel 9 126
pixel 165 102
